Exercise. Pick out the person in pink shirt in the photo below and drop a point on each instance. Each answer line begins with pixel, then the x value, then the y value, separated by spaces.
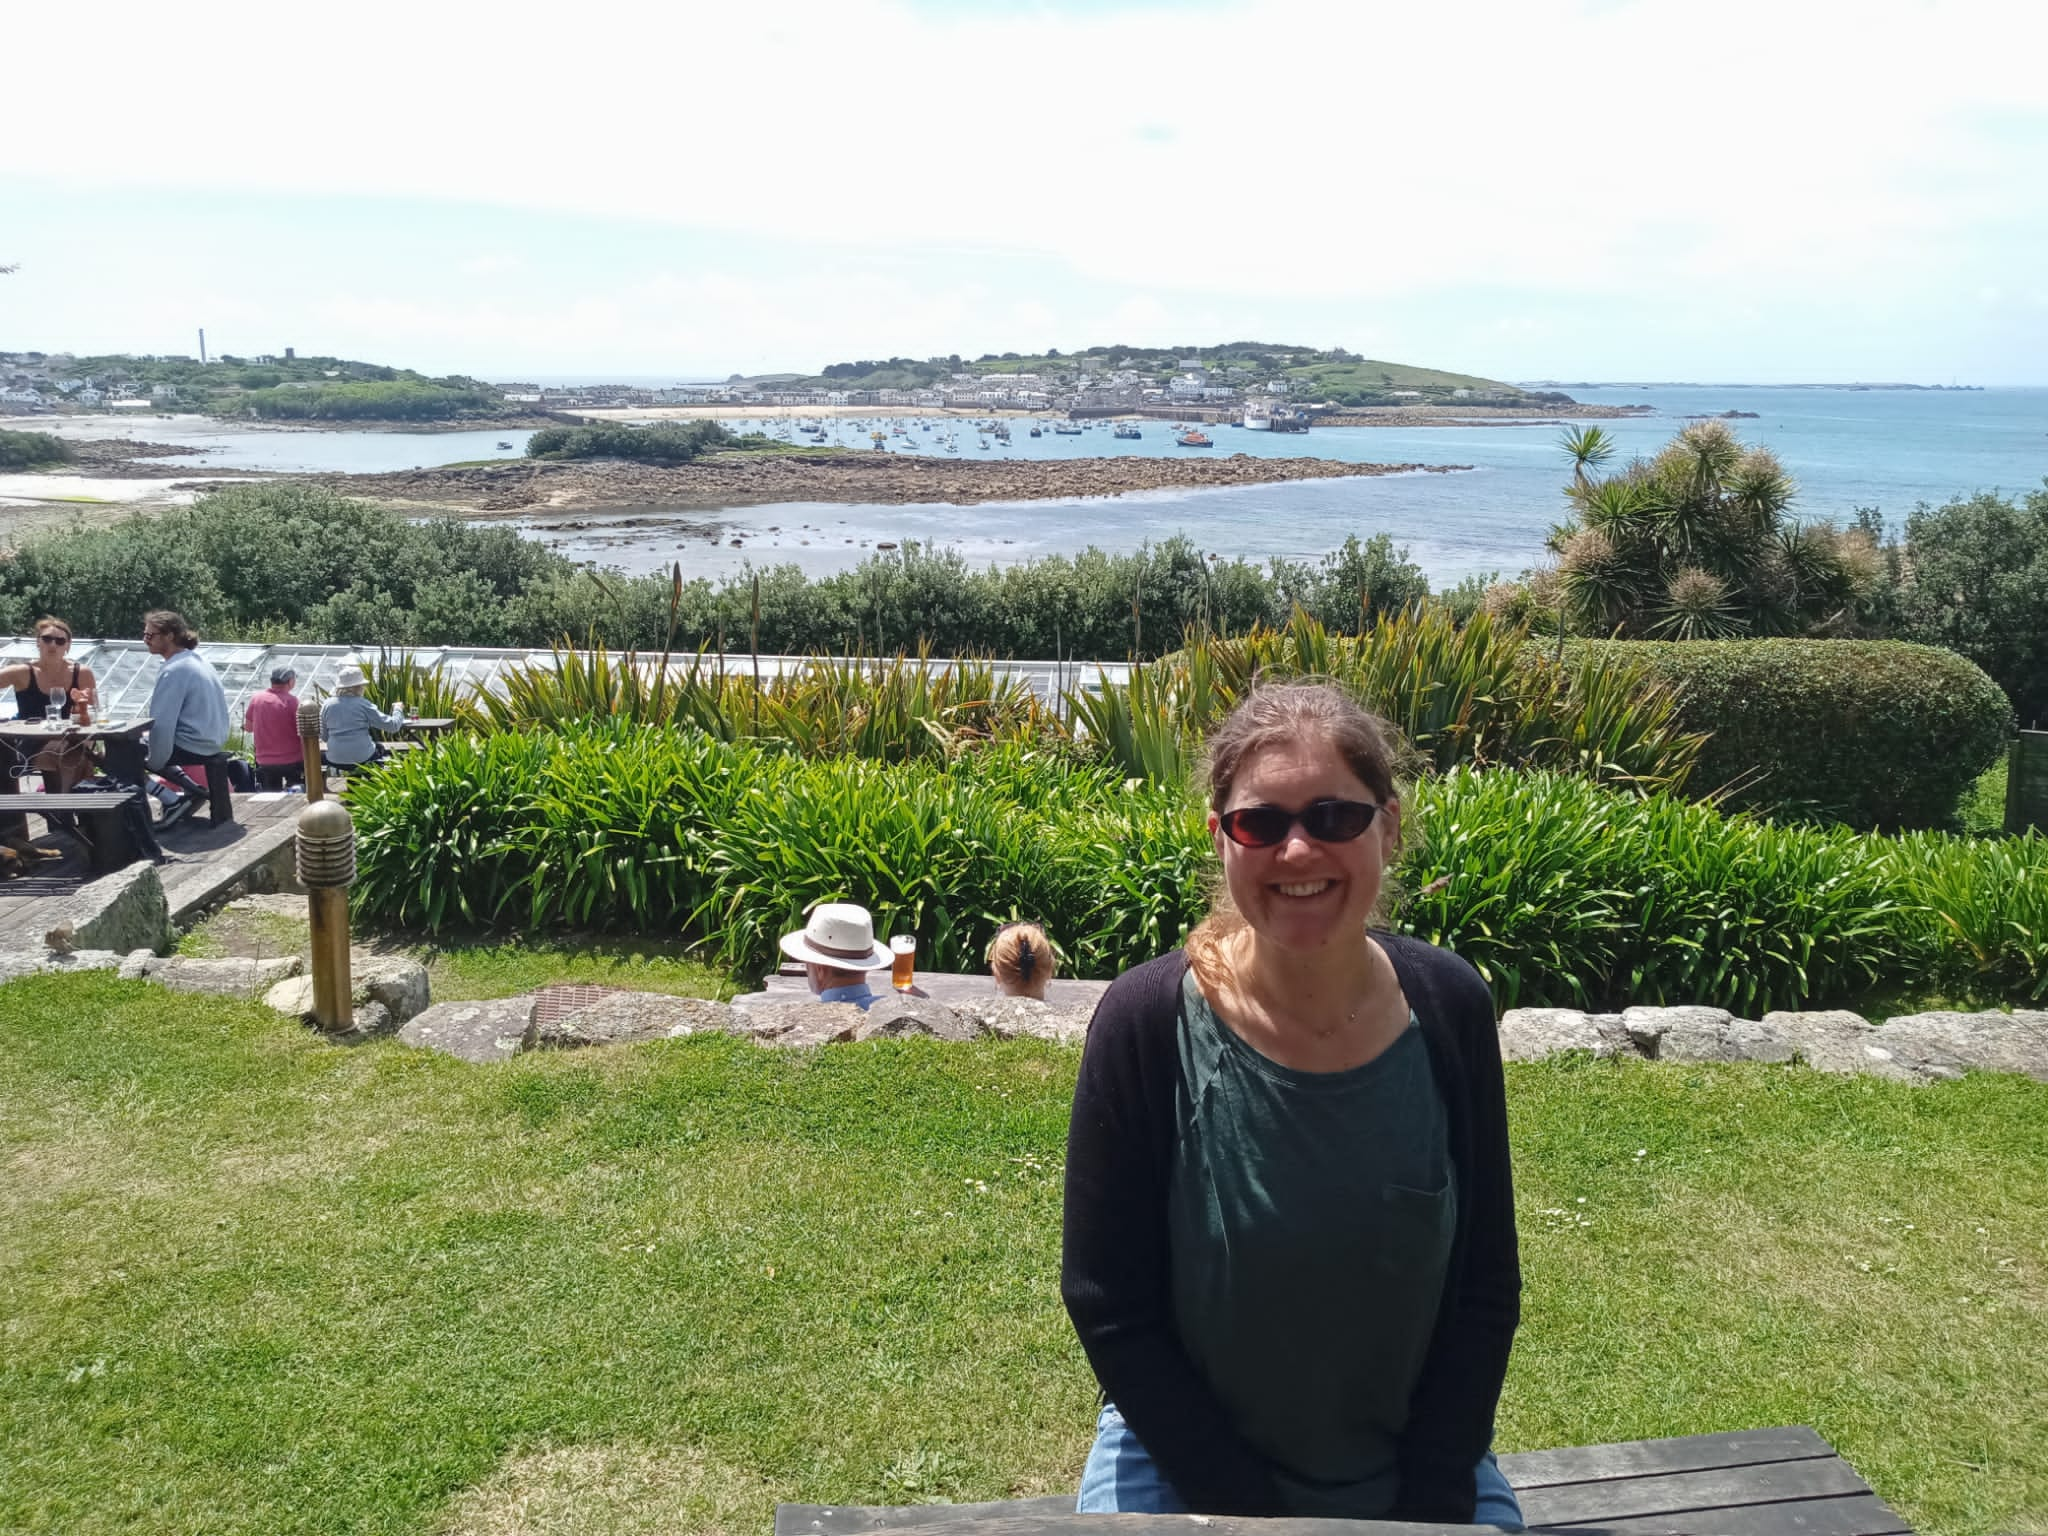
pixel 272 720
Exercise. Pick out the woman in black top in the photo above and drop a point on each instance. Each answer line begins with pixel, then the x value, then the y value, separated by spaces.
pixel 53 676
pixel 1290 1245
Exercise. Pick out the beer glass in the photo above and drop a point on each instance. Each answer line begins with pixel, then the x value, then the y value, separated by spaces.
pixel 903 966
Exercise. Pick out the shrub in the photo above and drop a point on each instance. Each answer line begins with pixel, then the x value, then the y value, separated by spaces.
pixel 664 443
pixel 1977 582
pixel 1471 694
pixel 1696 544
pixel 1868 733
pixel 30 450
pixel 1559 890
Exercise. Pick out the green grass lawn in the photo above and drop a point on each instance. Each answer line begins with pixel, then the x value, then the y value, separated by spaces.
pixel 463 969
pixel 257 1283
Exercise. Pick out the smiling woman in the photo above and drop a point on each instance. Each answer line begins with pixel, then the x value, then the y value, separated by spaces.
pixel 1290 1247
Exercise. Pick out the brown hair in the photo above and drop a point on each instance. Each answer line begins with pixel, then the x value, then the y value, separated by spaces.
pixel 1267 717
pixel 1022 957
pixel 173 624
pixel 50 621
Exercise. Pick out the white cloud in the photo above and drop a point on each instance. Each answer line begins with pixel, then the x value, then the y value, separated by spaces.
pixel 1181 174
pixel 1316 147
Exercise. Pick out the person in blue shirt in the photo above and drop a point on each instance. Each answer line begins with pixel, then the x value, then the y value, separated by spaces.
pixel 347 719
pixel 188 711
pixel 837 947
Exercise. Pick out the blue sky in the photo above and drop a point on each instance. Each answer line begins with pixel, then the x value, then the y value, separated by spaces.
pixel 1545 188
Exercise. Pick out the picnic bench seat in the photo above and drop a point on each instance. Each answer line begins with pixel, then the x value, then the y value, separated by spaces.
pixel 1760 1482
pixel 99 823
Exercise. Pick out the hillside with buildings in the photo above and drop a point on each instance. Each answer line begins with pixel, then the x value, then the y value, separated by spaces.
pixel 1268 380
pixel 1103 380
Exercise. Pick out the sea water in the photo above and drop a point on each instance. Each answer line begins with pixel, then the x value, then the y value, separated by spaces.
pixel 1844 448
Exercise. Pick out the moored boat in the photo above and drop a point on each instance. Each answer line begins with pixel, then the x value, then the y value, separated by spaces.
pixel 1195 437
pixel 1126 429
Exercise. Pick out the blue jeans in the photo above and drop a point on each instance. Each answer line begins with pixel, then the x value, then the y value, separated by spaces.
pixel 1122 1478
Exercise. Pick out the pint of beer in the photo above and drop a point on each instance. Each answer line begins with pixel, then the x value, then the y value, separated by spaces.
pixel 903 969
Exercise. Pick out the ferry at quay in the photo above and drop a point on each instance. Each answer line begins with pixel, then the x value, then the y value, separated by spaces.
pixel 1270 418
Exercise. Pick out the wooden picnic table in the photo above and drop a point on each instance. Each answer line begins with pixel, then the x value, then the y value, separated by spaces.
pixel 1761 1482
pixel 792 986
pixel 126 757
pixel 429 725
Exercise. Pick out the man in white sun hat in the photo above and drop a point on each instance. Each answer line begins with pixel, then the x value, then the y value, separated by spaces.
pixel 837 946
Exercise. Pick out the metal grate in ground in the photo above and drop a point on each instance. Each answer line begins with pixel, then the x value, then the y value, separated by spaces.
pixel 558 1002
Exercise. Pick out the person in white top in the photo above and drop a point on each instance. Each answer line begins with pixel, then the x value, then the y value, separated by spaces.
pixel 347 719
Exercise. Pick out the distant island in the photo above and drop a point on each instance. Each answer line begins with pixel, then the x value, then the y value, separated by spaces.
pixel 1287 385
pixel 324 391
pixel 1725 384
pixel 1111 376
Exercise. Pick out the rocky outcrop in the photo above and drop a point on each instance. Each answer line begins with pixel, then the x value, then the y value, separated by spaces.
pixel 47 962
pixel 1530 1034
pixel 240 976
pixel 626 1018
pixel 1949 1044
pixel 124 911
pixel 1921 1047
pixel 384 992
pixel 493 1030
pixel 527 486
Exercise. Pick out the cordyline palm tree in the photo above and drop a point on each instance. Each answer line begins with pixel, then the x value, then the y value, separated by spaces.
pixel 1696 544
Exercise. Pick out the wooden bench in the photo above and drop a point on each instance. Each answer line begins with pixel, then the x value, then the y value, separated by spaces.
pixel 1762 1482
pixel 101 825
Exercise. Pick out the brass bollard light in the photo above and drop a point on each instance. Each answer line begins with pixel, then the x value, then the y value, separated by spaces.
pixel 309 748
pixel 327 867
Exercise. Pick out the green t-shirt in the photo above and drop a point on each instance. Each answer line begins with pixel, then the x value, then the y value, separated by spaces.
pixel 1310 1217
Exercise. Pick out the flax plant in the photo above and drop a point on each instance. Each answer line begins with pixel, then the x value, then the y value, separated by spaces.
pixel 1561 890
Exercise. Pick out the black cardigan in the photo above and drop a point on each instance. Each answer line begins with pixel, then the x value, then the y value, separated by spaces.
pixel 1115 1267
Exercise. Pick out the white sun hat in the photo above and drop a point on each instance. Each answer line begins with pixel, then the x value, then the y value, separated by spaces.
pixel 838 934
pixel 352 676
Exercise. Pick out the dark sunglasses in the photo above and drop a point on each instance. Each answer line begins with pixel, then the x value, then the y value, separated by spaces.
pixel 54 639
pixel 1327 821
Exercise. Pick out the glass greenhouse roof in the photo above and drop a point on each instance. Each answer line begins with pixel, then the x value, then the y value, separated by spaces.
pixel 126 672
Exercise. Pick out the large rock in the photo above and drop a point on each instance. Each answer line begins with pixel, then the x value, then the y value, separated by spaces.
pixel 1007 1018
pixel 902 1015
pixel 1945 1045
pixel 1679 1034
pixel 478 1031
pixel 384 991
pixel 123 911
pixel 801 1024
pixel 240 976
pixel 1832 1040
pixel 625 1018
pixel 44 961
pixel 397 984
pixel 1530 1034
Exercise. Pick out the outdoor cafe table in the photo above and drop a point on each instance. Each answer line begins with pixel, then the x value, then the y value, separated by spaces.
pixel 429 725
pixel 126 760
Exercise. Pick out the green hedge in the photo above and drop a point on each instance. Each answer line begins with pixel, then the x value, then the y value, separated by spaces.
pixel 1560 891
pixel 1869 733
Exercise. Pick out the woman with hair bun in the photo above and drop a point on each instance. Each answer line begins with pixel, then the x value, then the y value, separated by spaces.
pixel 1289 1248
pixel 1022 959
